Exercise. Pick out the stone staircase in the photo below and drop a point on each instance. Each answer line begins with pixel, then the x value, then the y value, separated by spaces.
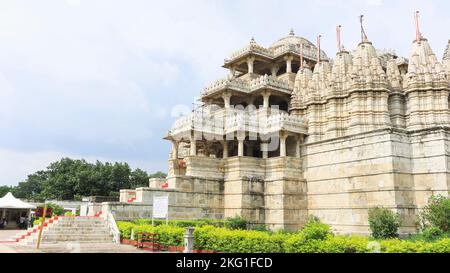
pixel 69 230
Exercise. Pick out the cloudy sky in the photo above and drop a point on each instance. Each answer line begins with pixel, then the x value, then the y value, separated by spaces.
pixel 97 79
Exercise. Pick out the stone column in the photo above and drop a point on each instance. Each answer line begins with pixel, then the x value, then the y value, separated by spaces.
pixel 226 99
pixel 225 149
pixel 266 96
pixel 233 72
pixel 250 62
pixel 240 147
pixel 289 63
pixel 297 146
pixel 274 70
pixel 283 138
pixel 265 150
pixel 174 149
pixel 193 150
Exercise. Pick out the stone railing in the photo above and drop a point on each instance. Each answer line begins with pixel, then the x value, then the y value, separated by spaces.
pixel 268 81
pixel 252 48
pixel 283 121
pixel 114 230
pixel 309 53
pixel 222 84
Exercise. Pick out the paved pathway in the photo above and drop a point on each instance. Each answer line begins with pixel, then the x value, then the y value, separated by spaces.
pixel 9 246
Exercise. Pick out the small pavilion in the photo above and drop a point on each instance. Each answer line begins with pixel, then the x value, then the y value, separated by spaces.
pixel 12 209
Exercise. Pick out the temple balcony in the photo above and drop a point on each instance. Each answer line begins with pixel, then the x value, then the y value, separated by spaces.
pixel 215 124
pixel 243 86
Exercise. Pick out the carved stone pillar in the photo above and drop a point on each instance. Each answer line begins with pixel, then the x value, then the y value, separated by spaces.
pixel 225 149
pixel 283 138
pixel 193 149
pixel 266 96
pixel 250 62
pixel 240 147
pixel 275 69
pixel 175 149
pixel 265 149
pixel 289 60
pixel 297 146
pixel 226 99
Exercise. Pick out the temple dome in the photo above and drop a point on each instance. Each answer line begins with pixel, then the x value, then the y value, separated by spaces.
pixel 297 41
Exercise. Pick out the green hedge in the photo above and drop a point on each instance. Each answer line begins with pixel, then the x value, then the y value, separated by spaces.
pixel 168 235
pixel 181 223
pixel 314 238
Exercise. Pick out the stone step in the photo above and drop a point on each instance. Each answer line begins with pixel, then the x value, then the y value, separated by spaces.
pixel 72 229
pixel 65 225
pixel 80 219
pixel 78 229
pixel 76 237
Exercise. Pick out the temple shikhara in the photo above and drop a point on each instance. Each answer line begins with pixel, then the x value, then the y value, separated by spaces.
pixel 293 132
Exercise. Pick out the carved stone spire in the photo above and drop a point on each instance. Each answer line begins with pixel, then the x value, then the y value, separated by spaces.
pixel 367 72
pixel 446 59
pixel 424 70
pixel 302 79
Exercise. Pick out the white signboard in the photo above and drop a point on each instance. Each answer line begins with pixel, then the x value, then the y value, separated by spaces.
pixel 83 210
pixel 160 206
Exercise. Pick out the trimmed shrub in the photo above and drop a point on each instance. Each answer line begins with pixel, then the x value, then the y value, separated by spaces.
pixel 314 238
pixel 437 213
pixel 181 223
pixel 237 241
pixel 383 223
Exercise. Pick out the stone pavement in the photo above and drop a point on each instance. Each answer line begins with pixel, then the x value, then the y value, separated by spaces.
pixel 73 247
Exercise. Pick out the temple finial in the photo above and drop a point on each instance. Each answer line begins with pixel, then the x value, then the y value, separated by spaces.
pixel 363 32
pixel 292 33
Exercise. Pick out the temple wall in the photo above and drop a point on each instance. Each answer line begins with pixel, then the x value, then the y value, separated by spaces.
pixel 347 176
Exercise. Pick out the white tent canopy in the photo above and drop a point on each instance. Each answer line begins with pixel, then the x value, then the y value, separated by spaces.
pixel 10 202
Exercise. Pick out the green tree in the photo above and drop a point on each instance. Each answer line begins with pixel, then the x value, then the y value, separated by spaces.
pixel 69 179
pixel 437 213
pixel 139 178
pixel 158 175
pixel 4 190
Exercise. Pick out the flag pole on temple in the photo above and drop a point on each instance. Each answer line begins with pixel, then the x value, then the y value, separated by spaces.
pixel 338 37
pixel 301 56
pixel 363 33
pixel 318 49
pixel 416 17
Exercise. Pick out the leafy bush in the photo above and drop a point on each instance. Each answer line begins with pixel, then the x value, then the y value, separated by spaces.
pixel 315 237
pixel 181 223
pixel 383 223
pixel 432 233
pixel 437 213
pixel 315 230
pixel 236 222
pixel 57 209
pixel 237 241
